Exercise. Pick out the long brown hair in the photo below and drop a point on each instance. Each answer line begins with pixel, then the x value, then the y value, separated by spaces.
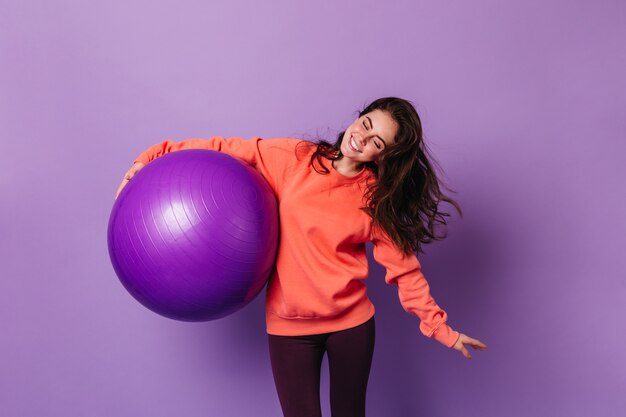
pixel 404 200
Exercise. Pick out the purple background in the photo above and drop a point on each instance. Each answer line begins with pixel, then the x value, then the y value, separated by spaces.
pixel 523 104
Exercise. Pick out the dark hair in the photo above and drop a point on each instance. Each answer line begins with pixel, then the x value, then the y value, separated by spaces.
pixel 404 199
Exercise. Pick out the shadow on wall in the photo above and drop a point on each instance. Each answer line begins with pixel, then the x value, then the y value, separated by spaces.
pixel 243 334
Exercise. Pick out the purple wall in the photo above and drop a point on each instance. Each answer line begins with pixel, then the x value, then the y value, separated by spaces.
pixel 523 104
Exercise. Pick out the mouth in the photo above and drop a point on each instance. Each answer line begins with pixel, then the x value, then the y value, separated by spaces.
pixel 352 144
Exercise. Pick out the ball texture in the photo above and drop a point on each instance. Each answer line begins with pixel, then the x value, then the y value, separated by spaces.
pixel 193 235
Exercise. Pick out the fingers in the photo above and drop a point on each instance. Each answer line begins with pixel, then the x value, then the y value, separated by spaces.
pixel 122 185
pixel 466 353
pixel 459 346
pixel 475 343
pixel 130 173
pixel 128 176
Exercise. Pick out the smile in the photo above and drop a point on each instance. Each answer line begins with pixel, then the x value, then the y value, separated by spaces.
pixel 352 144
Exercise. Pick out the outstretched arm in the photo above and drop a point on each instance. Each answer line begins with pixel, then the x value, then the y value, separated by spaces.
pixel 414 294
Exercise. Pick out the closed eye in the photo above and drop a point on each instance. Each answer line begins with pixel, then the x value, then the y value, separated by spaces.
pixel 375 143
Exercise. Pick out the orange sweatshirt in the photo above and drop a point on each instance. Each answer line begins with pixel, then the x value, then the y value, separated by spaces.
pixel 317 285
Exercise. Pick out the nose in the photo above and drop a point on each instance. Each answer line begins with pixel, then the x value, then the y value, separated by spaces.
pixel 362 138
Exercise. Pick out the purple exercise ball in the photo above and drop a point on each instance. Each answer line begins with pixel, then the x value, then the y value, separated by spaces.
pixel 193 235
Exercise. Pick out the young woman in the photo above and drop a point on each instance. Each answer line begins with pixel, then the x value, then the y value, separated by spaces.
pixel 375 183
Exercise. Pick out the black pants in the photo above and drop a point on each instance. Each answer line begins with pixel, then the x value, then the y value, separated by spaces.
pixel 296 365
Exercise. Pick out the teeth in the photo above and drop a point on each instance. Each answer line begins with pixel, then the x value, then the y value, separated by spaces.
pixel 353 145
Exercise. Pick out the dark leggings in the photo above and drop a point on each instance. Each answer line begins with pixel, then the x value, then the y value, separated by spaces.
pixel 296 365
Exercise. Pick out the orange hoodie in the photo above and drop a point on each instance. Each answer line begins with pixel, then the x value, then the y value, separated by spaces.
pixel 317 285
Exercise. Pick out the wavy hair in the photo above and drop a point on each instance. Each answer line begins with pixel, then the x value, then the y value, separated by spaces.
pixel 405 198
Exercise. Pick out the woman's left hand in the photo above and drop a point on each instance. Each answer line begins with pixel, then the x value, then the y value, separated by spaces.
pixel 463 339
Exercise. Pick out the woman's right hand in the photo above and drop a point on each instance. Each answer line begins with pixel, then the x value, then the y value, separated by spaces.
pixel 128 176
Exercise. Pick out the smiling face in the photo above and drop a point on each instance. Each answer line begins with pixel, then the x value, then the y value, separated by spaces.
pixel 368 136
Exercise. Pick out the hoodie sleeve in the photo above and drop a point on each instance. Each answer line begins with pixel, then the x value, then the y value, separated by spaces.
pixel 413 289
pixel 267 156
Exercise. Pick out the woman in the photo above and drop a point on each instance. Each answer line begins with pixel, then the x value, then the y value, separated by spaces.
pixel 375 183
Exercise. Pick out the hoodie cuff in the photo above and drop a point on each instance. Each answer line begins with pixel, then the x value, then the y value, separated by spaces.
pixel 444 334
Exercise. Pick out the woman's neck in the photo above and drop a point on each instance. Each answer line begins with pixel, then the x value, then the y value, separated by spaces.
pixel 346 167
